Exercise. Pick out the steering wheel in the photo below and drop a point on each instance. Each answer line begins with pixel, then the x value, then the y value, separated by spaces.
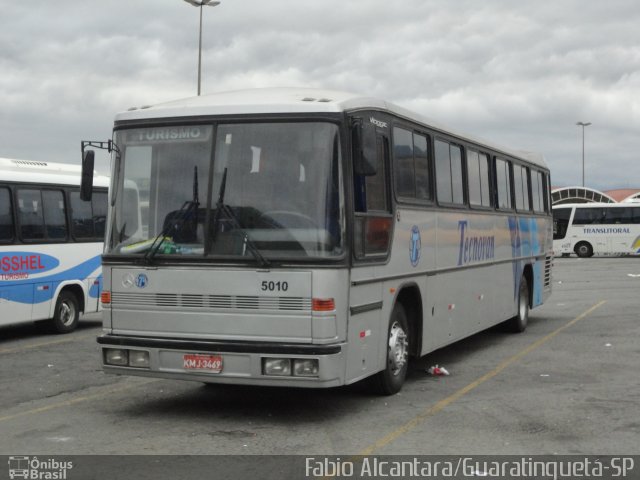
pixel 291 219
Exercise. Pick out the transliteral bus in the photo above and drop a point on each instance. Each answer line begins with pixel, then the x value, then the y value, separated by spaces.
pixel 50 243
pixel 588 229
pixel 311 238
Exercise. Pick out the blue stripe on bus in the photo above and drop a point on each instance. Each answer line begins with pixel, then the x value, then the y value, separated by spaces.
pixel 22 291
pixel 526 242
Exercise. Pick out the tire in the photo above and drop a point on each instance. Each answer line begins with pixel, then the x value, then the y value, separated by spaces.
pixel 518 324
pixel 390 380
pixel 584 250
pixel 66 314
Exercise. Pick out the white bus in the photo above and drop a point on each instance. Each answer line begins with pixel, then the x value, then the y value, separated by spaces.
pixel 50 243
pixel 312 238
pixel 588 229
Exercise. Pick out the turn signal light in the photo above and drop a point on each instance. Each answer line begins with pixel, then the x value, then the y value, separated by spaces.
pixel 323 304
pixel 105 298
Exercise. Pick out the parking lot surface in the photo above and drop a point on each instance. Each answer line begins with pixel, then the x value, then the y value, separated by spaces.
pixel 568 385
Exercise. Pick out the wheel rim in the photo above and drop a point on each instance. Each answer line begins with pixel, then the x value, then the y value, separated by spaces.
pixel 398 348
pixel 583 250
pixel 67 313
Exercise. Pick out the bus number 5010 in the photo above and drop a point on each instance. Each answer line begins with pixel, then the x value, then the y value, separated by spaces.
pixel 274 286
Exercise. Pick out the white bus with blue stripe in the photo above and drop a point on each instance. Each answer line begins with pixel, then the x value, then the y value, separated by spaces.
pixel 312 238
pixel 50 244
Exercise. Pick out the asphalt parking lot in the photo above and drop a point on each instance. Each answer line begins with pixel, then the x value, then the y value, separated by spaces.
pixel 568 385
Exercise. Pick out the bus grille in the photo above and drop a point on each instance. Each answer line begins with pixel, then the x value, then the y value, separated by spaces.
pixel 222 302
pixel 547 271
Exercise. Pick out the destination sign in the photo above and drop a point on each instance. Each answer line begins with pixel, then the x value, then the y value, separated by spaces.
pixel 192 133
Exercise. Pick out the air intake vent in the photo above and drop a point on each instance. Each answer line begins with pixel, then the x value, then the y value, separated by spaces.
pixel 210 302
pixel 29 163
pixel 547 271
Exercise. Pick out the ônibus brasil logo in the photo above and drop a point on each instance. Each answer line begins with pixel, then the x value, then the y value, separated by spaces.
pixel 38 469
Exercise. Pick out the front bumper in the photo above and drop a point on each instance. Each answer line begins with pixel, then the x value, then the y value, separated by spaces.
pixel 242 361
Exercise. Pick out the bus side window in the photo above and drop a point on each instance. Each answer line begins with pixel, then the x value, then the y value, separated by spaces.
pixel 537 196
pixel 411 164
pixel 6 218
pixel 55 216
pixel 81 218
pixel 617 216
pixel 403 163
pixel 478 178
pixel 503 185
pixel 449 180
pixel 99 207
pixel 30 214
pixel 521 187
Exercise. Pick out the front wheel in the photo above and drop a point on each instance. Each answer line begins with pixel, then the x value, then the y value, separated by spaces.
pixel 390 380
pixel 66 314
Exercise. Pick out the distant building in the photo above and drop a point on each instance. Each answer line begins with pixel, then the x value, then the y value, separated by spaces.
pixel 625 194
pixel 561 195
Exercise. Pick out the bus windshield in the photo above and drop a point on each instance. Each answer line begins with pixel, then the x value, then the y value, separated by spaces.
pixel 255 190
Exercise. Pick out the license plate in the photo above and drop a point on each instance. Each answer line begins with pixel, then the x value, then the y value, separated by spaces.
pixel 210 363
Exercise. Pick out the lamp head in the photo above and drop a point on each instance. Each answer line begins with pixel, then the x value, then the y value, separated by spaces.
pixel 203 3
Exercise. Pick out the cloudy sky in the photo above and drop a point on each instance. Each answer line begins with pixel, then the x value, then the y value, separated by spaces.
pixel 519 73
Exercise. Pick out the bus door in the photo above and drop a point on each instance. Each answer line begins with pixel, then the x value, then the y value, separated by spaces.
pixel 372 233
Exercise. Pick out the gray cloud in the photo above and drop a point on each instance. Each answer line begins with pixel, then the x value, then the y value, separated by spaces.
pixel 517 73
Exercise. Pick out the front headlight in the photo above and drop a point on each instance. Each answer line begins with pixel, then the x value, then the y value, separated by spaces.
pixel 305 367
pixel 116 356
pixel 276 366
pixel 139 358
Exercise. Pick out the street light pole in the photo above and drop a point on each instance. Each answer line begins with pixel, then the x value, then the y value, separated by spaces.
pixel 583 124
pixel 201 3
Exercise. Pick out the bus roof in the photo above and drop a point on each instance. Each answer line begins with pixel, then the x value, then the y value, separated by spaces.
pixel 297 100
pixel 29 171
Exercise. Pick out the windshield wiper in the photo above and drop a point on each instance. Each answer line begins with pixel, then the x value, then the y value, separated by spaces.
pixel 176 222
pixel 221 207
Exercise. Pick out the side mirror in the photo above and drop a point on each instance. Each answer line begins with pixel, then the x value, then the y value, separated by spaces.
pixel 364 149
pixel 86 184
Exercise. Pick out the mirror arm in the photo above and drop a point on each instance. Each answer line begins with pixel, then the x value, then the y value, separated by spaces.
pixel 109 146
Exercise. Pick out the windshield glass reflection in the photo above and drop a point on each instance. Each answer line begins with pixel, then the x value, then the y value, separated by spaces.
pixel 275 192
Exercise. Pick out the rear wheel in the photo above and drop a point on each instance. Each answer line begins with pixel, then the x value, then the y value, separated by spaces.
pixel 391 379
pixel 519 323
pixel 584 250
pixel 66 314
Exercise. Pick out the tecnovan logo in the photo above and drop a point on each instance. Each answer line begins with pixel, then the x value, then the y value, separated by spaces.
pixel 474 248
